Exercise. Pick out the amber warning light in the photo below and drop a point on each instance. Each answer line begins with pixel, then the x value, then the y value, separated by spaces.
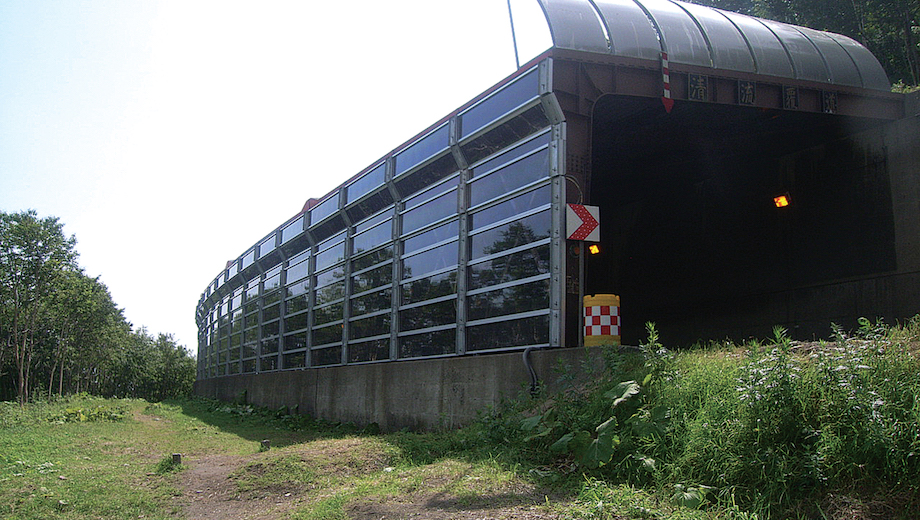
pixel 782 201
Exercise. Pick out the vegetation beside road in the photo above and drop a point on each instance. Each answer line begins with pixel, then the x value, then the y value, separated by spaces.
pixel 772 429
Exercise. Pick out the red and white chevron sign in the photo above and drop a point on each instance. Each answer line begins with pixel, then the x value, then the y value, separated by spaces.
pixel 582 223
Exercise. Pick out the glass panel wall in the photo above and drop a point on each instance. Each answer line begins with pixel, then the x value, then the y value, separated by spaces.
pixel 377 273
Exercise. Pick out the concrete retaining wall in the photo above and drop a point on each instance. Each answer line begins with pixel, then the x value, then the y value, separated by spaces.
pixel 419 395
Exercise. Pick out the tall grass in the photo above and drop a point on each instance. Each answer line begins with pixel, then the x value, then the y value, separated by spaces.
pixel 773 429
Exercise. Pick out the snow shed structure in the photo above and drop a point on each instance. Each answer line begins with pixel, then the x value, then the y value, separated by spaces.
pixel 681 122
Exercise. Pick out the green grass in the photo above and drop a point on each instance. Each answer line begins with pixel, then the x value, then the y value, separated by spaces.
pixel 773 429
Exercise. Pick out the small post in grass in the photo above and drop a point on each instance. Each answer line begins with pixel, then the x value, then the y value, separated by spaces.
pixel 266 445
pixel 177 459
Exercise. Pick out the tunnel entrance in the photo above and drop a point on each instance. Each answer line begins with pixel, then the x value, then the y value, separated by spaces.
pixel 692 238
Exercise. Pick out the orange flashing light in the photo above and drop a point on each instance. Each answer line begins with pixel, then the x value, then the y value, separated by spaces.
pixel 594 249
pixel 782 201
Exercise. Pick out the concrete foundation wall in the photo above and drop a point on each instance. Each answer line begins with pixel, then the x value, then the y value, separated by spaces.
pixel 419 395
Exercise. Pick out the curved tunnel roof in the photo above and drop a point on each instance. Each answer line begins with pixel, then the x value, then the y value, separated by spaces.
pixel 703 36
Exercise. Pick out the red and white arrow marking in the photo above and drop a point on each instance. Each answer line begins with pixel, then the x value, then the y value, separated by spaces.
pixel 666 78
pixel 588 228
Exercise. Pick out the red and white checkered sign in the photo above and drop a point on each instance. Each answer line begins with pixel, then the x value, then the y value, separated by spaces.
pixel 602 320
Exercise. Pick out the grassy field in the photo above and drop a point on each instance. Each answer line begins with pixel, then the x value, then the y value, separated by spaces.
pixel 774 429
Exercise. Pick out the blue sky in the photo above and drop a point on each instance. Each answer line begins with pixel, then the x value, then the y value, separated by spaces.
pixel 169 136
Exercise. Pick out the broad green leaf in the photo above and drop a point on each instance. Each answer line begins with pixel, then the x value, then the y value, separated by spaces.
pixel 623 392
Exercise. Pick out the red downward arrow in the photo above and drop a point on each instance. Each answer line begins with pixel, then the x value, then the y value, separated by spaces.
pixel 588 223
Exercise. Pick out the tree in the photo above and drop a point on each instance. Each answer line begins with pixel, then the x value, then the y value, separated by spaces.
pixel 33 254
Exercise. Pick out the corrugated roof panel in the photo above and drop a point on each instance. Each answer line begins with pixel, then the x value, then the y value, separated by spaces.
pixel 804 54
pixel 682 38
pixel 631 32
pixel 769 55
pixel 574 24
pixel 841 67
pixel 729 50
pixel 870 70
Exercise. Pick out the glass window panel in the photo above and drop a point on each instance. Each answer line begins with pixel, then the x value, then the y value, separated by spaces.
pixel 367 280
pixel 251 306
pixel 222 357
pixel 518 151
pixel 441 313
pixel 267 364
pixel 532 121
pixel 431 211
pixel 330 256
pixel 249 366
pixel 511 207
pixel 295 360
pixel 374 350
pixel 431 193
pixel 510 300
pixel 328 228
pixel 428 175
pixel 273 282
pixel 236 340
pixel 330 293
pixel 267 246
pixel 271 329
pixel 327 356
pixel 300 257
pixel 376 236
pixel 249 258
pixel 298 288
pixel 422 149
pixel 296 272
pixel 370 205
pixel 295 341
pixel 432 236
pixel 428 344
pixel 431 260
pixel 336 274
pixel 251 335
pixel 271 313
pixel 233 270
pixel 330 334
pixel 431 287
pixel 249 350
pixel 329 313
pixel 297 303
pixel 375 301
pixel 509 178
pixel 500 103
pixel 372 326
pixel 253 290
pixel 366 183
pixel 325 208
pixel 296 322
pixel 523 264
pixel 269 346
pixel 513 234
pixel 233 367
pixel 234 354
pixel 373 221
pixel 514 333
pixel 373 258
pixel 273 271
pixel 292 230
pixel 270 298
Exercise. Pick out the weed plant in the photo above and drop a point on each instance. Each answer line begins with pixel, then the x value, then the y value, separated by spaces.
pixel 771 429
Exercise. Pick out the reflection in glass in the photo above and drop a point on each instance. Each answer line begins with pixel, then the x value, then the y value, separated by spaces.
pixel 500 103
pixel 431 211
pixel 374 350
pixel 428 344
pixel 292 230
pixel 368 280
pixel 513 333
pixel 373 258
pixel 428 288
pixel 296 322
pixel 431 260
pixel 513 234
pixel 330 256
pixel 327 314
pixel 533 120
pixel 523 264
pixel 271 313
pixel 372 326
pixel 270 329
pixel 330 293
pixel 267 364
pixel 297 303
pixel 249 366
pixel 510 300
pixel 269 346
pixel 432 236
pixel 295 341
pixel 441 313
pixel 507 179
pixel 366 183
pixel 249 350
pixel 330 334
pixel 325 208
pixel 422 149
pixel 327 356
pixel 373 237
pixel 297 272
pixel 295 360
pixel 375 301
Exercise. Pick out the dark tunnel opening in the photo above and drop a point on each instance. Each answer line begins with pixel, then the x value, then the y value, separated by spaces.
pixel 691 237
